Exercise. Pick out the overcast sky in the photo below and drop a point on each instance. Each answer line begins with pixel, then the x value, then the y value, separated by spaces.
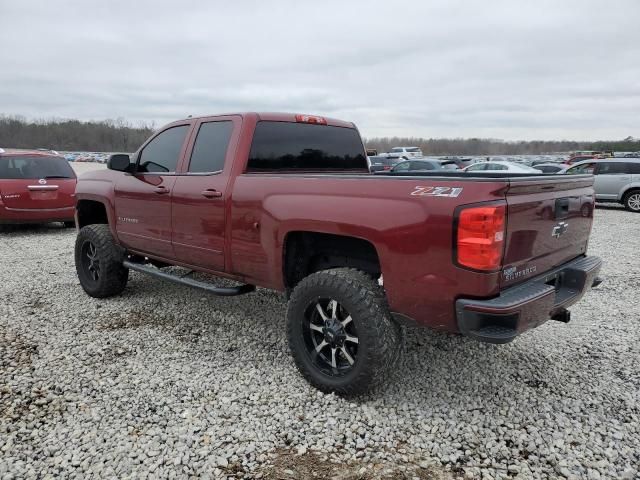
pixel 501 69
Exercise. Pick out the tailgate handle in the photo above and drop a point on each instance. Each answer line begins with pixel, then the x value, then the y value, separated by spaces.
pixel 562 208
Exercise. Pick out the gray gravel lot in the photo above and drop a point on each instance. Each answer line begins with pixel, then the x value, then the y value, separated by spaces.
pixel 169 382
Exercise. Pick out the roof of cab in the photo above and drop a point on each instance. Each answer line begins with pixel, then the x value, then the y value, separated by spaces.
pixel 274 117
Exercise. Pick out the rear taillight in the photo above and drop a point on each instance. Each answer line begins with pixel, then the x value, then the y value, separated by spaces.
pixel 311 119
pixel 480 237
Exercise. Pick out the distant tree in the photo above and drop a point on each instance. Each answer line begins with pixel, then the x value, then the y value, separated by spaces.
pixel 119 135
pixel 103 136
pixel 487 146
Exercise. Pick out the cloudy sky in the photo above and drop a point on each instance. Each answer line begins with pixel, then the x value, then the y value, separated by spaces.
pixel 513 69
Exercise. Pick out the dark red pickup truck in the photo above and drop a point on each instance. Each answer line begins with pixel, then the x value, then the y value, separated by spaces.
pixel 286 202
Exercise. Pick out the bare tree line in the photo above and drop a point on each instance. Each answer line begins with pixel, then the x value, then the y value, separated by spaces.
pixel 101 136
pixel 122 136
pixel 486 146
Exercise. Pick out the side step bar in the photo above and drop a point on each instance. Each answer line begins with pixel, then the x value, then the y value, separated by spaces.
pixel 190 282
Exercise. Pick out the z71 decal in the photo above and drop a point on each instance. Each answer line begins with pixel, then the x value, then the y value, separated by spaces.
pixel 437 191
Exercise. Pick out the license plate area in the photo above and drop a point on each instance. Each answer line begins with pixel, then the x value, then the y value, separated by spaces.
pixel 567 283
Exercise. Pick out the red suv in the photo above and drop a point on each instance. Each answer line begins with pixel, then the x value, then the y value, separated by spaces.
pixel 36 187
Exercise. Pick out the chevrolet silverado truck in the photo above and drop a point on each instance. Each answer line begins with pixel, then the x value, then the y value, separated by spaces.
pixel 285 202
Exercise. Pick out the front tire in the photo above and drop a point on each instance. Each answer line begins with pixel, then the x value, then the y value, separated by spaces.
pixel 341 333
pixel 632 201
pixel 99 262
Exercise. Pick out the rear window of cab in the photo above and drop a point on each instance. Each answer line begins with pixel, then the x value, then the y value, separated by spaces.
pixel 285 146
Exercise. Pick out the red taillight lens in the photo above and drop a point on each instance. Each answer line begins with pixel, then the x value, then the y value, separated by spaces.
pixel 311 119
pixel 480 237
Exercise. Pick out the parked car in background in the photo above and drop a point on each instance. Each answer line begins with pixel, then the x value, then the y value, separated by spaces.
pixel 36 187
pixel 405 152
pixel 424 165
pixel 616 180
pixel 500 166
pixel 550 167
pixel 590 153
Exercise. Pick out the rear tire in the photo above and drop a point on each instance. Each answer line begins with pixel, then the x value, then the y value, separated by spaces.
pixel 341 333
pixel 632 201
pixel 69 224
pixel 99 262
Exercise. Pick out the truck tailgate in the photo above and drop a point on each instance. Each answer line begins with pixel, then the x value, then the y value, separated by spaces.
pixel 548 223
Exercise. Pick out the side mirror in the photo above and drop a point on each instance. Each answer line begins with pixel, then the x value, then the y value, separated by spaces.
pixel 119 162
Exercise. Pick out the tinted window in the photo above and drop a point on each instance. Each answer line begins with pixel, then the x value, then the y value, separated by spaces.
pixel 634 167
pixel 548 168
pixel 23 167
pixel 211 147
pixel 586 168
pixel 422 166
pixel 162 153
pixel 402 167
pixel 476 168
pixel 397 150
pixel 303 146
pixel 612 168
pixel 449 165
pixel 496 166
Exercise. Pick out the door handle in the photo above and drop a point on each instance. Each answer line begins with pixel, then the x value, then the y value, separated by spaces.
pixel 161 190
pixel 211 193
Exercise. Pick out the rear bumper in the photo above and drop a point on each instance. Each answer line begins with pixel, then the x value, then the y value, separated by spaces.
pixel 41 215
pixel 530 304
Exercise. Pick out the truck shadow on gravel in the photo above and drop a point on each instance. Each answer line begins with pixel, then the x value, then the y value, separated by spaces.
pixel 33 229
pixel 253 326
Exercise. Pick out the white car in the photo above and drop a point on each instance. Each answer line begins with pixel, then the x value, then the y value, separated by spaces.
pixel 500 167
pixel 405 153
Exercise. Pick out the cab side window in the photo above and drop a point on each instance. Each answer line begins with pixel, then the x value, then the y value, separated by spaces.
pixel 161 154
pixel 210 148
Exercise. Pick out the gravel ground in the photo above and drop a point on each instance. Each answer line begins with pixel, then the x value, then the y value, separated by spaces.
pixel 169 382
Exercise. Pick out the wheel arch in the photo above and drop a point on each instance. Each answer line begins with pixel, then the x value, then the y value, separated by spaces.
pixel 305 252
pixel 95 211
pixel 635 186
pixel 626 196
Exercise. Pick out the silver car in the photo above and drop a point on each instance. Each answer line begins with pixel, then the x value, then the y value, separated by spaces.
pixel 616 180
pixel 501 166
